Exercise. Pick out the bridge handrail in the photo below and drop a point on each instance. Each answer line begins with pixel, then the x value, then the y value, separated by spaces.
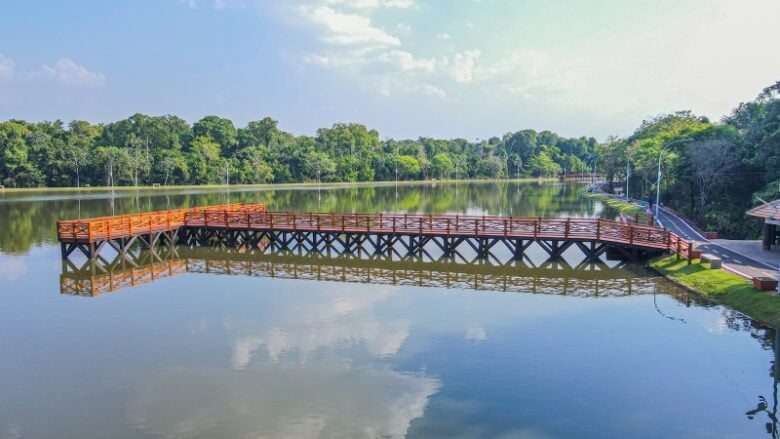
pixel 478 225
pixel 109 227
pixel 255 216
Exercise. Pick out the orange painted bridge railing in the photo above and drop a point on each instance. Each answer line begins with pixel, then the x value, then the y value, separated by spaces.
pixel 125 226
pixel 254 217
pixel 442 225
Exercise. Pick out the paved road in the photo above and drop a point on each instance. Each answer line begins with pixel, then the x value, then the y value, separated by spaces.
pixel 732 260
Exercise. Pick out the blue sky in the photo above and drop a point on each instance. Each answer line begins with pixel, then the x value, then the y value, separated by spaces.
pixel 408 68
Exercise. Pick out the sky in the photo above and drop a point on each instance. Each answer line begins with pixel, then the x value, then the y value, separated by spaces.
pixel 407 68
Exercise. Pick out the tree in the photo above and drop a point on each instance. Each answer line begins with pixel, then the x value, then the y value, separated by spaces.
pixel 711 161
pixel 441 165
pixel 219 130
pixel 259 132
pixel 408 167
pixel 75 157
pixel 203 160
pixel 543 166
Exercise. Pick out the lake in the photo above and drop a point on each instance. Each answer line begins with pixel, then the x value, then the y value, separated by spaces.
pixel 209 343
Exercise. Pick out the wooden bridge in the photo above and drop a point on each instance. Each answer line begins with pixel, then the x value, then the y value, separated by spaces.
pixel 251 226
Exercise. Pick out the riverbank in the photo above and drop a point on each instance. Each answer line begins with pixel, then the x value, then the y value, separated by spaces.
pixel 723 288
pixel 304 185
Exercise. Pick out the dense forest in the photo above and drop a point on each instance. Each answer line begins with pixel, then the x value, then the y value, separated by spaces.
pixel 723 170
pixel 166 150
pixel 713 178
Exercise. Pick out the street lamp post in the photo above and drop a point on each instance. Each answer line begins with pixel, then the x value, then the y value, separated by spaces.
pixel 658 181
pixel 628 174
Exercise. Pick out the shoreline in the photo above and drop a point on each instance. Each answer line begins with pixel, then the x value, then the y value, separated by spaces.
pixel 721 287
pixel 266 186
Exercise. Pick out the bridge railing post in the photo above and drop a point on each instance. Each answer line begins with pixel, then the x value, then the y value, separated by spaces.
pixel 690 252
pixel 598 229
pixel 678 247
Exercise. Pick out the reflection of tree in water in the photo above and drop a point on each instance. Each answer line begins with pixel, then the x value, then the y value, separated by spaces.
pixel 32 219
pixel 769 339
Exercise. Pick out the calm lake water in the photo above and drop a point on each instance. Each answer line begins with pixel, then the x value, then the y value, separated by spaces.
pixel 215 344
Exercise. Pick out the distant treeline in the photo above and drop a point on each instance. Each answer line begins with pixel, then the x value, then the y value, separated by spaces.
pixel 166 150
pixel 713 179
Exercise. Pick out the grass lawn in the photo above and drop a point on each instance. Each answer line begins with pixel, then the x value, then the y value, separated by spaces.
pixel 619 205
pixel 723 287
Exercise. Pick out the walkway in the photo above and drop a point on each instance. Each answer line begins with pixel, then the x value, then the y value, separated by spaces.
pixel 251 226
pixel 735 261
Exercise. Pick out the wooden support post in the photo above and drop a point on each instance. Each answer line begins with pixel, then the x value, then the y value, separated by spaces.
pixel 690 252
pixel 598 229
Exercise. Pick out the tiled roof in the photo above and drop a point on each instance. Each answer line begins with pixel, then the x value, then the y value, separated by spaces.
pixel 768 210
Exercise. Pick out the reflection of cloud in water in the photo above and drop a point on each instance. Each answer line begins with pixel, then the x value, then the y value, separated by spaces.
pixel 476 333
pixel 714 323
pixel 330 400
pixel 12 268
pixel 324 319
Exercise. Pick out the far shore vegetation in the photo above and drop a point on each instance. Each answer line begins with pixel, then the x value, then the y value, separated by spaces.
pixel 307 185
pixel 722 172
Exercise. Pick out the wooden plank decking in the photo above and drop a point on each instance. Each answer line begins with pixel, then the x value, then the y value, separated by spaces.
pixel 225 221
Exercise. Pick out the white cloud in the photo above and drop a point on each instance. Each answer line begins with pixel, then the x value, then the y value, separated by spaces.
pixel 7 68
pixel 68 73
pixel 403 29
pixel 404 4
pixel 406 61
pixel 215 4
pixel 464 65
pixel 371 4
pixel 443 36
pixel 433 91
pixel 348 29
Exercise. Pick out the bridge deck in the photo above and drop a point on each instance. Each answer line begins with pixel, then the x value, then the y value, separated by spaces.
pixel 126 226
pixel 90 234
pixel 567 229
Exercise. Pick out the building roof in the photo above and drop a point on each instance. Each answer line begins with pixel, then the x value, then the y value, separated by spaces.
pixel 770 210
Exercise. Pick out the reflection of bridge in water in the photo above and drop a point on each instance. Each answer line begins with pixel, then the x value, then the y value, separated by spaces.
pixel 551 276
